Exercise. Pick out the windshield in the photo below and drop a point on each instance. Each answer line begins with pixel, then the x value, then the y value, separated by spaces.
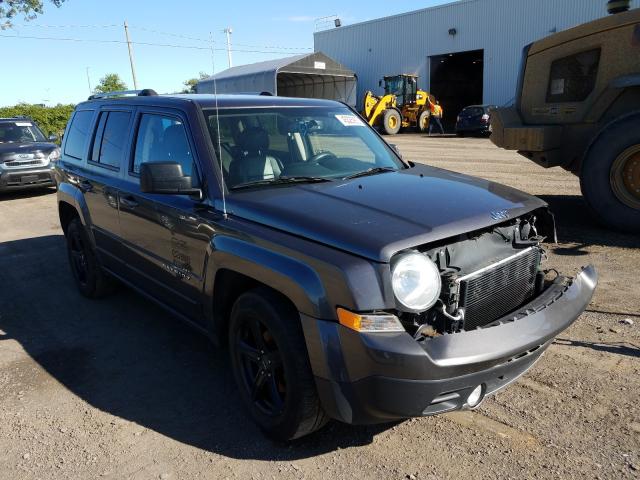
pixel 277 145
pixel 20 132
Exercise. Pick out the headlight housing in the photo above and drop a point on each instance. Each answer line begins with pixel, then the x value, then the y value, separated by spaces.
pixel 415 280
pixel 54 155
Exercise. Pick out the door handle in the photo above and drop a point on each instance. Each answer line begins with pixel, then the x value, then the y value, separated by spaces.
pixel 129 202
pixel 84 185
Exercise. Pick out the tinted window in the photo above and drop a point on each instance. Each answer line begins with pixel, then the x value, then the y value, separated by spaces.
pixel 77 134
pixel 473 112
pixel 112 138
pixel 162 139
pixel 573 78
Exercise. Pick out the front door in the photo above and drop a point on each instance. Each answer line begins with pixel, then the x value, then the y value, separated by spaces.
pixel 164 234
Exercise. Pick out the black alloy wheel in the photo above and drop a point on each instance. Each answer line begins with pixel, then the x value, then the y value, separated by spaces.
pixel 261 366
pixel 91 280
pixel 271 365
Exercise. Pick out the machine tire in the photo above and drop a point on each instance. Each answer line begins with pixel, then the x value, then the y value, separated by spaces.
pixel 391 122
pixel 600 167
pixel 266 341
pixel 91 280
pixel 422 125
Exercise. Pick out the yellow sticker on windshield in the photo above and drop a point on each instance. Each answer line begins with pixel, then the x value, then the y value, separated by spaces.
pixel 350 120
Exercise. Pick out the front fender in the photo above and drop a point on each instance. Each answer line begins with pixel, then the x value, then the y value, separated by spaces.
pixel 297 281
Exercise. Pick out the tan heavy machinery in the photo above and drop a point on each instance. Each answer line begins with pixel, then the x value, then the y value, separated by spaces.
pixel 578 107
pixel 401 106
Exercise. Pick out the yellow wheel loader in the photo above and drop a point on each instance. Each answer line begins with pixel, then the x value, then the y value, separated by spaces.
pixel 401 106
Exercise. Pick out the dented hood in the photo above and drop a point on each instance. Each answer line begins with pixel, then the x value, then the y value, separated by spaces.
pixel 379 215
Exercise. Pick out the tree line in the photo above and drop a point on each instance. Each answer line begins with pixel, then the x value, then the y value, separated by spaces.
pixel 53 119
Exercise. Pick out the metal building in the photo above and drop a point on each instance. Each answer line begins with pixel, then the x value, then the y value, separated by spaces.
pixel 312 75
pixel 466 52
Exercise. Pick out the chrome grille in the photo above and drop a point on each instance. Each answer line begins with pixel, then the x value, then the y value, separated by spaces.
pixel 24 163
pixel 498 289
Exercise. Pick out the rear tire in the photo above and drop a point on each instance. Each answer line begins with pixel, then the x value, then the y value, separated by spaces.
pixel 423 122
pixel 91 280
pixel 391 122
pixel 610 176
pixel 271 366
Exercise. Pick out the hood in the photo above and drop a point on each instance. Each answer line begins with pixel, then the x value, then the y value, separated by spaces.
pixel 379 215
pixel 11 150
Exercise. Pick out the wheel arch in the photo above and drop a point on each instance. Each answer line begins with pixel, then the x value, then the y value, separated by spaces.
pixel 605 127
pixel 235 266
pixel 71 203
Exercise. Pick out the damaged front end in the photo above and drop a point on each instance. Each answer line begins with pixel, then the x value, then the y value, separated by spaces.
pixel 485 275
pixel 493 316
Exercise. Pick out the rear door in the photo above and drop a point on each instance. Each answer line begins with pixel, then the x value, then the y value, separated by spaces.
pixel 165 237
pixel 92 156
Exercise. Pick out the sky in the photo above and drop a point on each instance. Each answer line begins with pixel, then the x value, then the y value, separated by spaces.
pixel 50 71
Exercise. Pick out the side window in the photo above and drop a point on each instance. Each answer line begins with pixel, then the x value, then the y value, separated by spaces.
pixel 573 78
pixel 162 139
pixel 77 134
pixel 111 138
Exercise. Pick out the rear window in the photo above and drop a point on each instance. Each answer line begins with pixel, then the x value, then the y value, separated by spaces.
pixel 473 111
pixel 573 78
pixel 77 134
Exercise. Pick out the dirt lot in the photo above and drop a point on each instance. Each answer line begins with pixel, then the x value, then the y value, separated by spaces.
pixel 117 389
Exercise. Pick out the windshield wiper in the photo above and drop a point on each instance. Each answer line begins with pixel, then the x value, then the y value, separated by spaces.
pixel 283 180
pixel 370 171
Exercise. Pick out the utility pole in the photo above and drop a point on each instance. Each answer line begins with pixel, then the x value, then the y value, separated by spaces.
pixel 133 67
pixel 213 61
pixel 229 31
pixel 89 81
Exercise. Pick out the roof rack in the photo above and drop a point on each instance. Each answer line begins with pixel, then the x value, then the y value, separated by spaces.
pixel 147 92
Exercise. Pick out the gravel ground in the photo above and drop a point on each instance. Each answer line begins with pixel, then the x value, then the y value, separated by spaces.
pixel 117 389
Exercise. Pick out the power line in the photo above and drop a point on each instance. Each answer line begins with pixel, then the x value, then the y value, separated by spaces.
pixel 42 25
pixel 160 32
pixel 167 45
pixel 176 35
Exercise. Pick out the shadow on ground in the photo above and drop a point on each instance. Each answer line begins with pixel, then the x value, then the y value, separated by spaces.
pixel 132 360
pixel 28 193
pixel 575 224
pixel 618 348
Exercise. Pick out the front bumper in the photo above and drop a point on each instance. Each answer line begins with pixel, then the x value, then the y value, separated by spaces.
pixel 24 178
pixel 475 128
pixel 371 378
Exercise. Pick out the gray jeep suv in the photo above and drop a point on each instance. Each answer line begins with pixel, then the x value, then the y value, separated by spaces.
pixel 346 282
pixel 26 156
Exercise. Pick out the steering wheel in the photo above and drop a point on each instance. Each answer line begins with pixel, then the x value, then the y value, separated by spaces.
pixel 319 157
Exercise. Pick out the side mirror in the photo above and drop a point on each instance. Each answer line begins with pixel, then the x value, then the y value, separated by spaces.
pixel 166 178
pixel 379 83
pixel 396 149
pixel 53 137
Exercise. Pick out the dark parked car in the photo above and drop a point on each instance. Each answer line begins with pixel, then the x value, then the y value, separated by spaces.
pixel 26 156
pixel 474 120
pixel 346 282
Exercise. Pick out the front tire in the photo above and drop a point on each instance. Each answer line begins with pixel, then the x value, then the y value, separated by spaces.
pixel 91 280
pixel 610 176
pixel 391 122
pixel 423 122
pixel 271 367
